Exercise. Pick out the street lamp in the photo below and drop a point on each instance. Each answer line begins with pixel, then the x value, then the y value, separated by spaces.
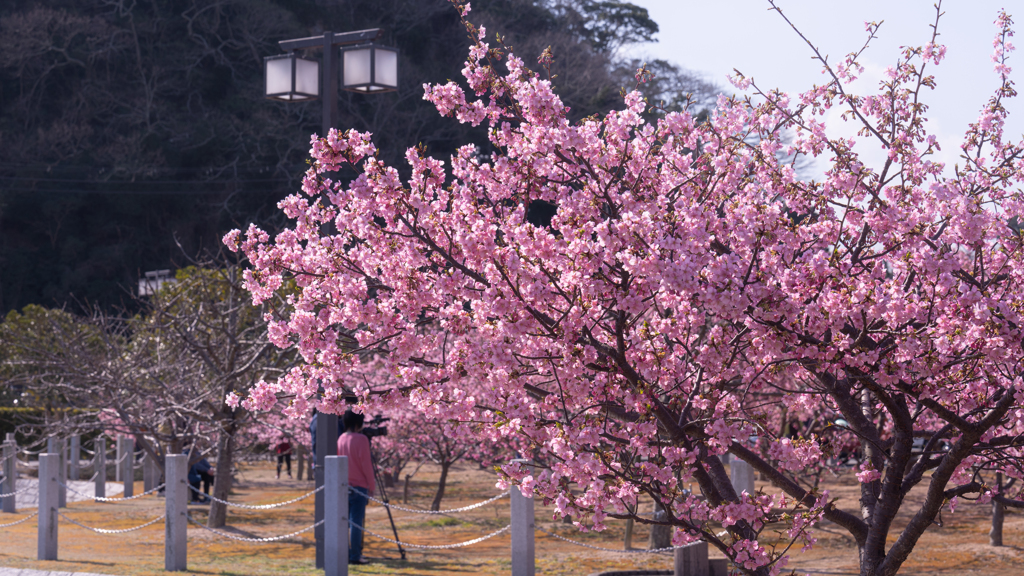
pixel 366 67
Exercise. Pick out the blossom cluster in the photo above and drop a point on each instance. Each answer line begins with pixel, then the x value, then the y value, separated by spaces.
pixel 687 281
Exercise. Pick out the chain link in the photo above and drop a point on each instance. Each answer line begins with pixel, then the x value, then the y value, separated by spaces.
pixel 102 499
pixel 25 519
pixel 105 531
pixel 256 506
pixel 16 492
pixel 451 511
pixel 244 539
pixel 435 547
pixel 592 547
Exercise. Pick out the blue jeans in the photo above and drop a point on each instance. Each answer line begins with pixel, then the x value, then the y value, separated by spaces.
pixel 357 515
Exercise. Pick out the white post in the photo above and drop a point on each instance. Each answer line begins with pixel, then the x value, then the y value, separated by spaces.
pixel 128 466
pixel 99 466
pixel 10 472
pixel 120 453
pixel 176 522
pixel 523 563
pixel 336 527
pixel 48 500
pixel 75 457
pixel 742 476
pixel 56 447
pixel 692 560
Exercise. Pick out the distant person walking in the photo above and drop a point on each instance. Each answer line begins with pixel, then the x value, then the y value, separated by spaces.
pixel 284 455
pixel 360 479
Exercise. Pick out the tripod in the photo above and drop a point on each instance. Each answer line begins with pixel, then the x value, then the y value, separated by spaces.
pixel 384 498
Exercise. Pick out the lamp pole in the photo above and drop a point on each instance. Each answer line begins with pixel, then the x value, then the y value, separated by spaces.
pixel 283 84
pixel 329 82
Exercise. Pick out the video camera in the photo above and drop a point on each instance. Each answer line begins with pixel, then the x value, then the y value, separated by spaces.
pixel 373 428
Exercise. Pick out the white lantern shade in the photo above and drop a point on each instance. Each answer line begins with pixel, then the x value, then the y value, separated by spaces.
pixel 369 68
pixel 355 67
pixel 291 78
pixel 386 67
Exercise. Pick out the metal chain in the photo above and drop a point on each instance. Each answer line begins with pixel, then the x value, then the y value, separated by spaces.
pixel 16 492
pixel 25 519
pixel 592 547
pixel 105 531
pixel 436 547
pixel 102 499
pixel 451 511
pixel 121 459
pixel 243 539
pixel 256 506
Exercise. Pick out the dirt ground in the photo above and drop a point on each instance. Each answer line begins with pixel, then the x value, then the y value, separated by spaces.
pixel 958 547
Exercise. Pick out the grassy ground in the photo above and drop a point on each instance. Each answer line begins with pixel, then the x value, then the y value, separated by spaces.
pixel 957 547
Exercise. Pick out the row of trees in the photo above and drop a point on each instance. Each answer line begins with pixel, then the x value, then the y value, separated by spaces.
pixel 159 375
pixel 685 292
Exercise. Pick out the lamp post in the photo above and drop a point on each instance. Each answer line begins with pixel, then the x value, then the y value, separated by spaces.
pixel 365 67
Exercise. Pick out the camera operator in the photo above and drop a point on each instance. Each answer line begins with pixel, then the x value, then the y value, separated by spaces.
pixel 360 478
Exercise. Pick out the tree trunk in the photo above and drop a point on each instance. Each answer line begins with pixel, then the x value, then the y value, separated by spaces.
pixel 222 481
pixel 995 535
pixel 436 504
pixel 405 491
pixel 300 461
pixel 389 479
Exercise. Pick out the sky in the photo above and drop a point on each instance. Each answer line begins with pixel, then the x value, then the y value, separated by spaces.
pixel 712 38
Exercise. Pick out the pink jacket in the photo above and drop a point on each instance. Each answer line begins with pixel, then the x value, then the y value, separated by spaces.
pixel 360 466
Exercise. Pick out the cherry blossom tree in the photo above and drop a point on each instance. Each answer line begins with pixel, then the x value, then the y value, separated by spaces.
pixel 687 292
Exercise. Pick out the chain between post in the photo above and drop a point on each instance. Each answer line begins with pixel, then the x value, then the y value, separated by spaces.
pixel 106 531
pixel 437 546
pixel 25 519
pixel 592 547
pixel 450 511
pixel 255 506
pixel 257 540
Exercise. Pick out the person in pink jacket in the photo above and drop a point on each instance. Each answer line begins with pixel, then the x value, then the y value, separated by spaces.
pixel 360 478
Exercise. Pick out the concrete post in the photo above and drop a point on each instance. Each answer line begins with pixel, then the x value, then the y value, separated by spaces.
pixel 55 446
pixel 691 560
pixel 49 465
pixel 176 502
pixel 128 466
pixel 99 466
pixel 120 453
pixel 718 567
pixel 326 445
pixel 522 534
pixel 10 472
pixel 336 527
pixel 742 476
pixel 75 457
pixel 150 472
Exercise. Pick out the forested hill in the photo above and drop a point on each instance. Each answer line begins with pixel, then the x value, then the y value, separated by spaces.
pixel 134 133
